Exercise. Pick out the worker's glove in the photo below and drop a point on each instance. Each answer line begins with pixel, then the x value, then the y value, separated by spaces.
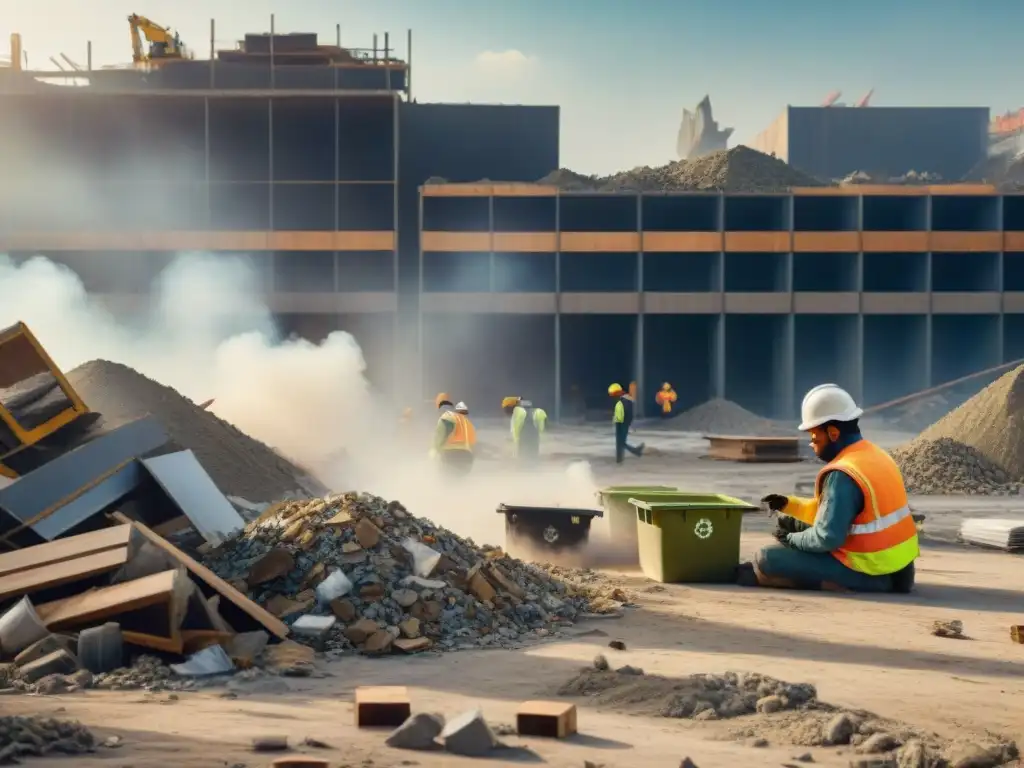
pixel 781 535
pixel 790 524
pixel 775 502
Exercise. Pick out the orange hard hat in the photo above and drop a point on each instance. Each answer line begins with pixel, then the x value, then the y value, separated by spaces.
pixel 441 399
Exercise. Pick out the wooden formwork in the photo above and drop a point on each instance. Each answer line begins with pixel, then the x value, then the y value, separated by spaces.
pixel 753 449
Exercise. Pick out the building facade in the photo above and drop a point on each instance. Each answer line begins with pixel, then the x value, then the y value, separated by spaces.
pixel 311 173
pixel 833 142
pixel 756 298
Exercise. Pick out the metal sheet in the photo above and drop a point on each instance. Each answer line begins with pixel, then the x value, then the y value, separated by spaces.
pixel 183 479
pixel 99 498
pixel 61 478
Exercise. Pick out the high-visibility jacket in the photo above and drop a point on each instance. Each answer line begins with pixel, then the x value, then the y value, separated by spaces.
pixel 463 435
pixel 883 536
pixel 528 424
pixel 665 398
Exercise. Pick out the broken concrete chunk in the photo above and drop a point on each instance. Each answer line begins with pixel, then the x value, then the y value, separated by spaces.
pixel 877 743
pixel 245 647
pixel 424 559
pixel 480 588
pixel 351 546
pixel 270 744
pixel 367 533
pixel 418 732
pixel 341 520
pixel 336 585
pixel 288 653
pixel 343 609
pixel 469 735
pixel 953 629
pixel 313 626
pixel 276 563
pixel 405 597
pixel 838 730
pixel 379 643
pixel 410 628
pixel 362 629
pixel 44 647
pixel 283 607
pixel 426 611
pixel 422 583
pixel 212 660
pixel 59 662
pixel 406 645
pixel 20 626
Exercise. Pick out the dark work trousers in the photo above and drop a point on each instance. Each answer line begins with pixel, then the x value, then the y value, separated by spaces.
pixel 621 445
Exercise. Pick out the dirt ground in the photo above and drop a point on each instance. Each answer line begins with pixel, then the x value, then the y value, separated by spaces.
pixel 865 653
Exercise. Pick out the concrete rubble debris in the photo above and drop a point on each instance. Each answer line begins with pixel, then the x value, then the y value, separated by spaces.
pixel 413 586
pixel 953 629
pixel 469 735
pixel 724 417
pixel 38 736
pixel 420 731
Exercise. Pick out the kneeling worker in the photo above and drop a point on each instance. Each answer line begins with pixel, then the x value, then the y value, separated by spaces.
pixel 528 424
pixel 454 439
pixel 857 533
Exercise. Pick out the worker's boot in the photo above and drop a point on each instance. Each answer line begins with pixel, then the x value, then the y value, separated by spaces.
pixel 774 582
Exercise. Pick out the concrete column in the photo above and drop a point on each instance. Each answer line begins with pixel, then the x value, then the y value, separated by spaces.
pixel 641 384
pixel 718 340
pixel 396 325
pixel 858 351
pixel 421 387
pixel 558 307
pixel 928 341
pixel 1000 261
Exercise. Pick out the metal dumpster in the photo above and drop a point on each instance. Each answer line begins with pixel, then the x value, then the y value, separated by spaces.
pixel 554 529
pixel 691 541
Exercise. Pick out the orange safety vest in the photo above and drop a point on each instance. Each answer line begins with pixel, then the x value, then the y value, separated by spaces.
pixel 463 437
pixel 665 398
pixel 883 536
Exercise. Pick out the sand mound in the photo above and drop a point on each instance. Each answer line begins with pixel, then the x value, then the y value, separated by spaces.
pixel 945 466
pixel 739 169
pixel 991 422
pixel 724 417
pixel 238 464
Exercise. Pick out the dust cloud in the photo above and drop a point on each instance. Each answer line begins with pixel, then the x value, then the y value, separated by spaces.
pixel 206 331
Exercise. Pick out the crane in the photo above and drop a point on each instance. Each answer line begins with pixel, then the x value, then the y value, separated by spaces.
pixel 164 45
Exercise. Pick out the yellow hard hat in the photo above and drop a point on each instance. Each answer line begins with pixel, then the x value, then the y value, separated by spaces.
pixel 442 397
pixel 615 389
pixel 666 386
pixel 508 402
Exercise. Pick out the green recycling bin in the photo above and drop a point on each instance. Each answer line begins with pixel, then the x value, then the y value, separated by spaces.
pixel 619 513
pixel 696 540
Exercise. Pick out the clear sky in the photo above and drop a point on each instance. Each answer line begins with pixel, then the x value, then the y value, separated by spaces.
pixel 622 70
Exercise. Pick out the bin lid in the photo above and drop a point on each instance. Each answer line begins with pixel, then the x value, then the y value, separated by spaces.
pixel 504 509
pixel 722 502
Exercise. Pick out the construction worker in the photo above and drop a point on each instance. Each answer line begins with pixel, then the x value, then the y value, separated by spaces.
pixel 528 424
pixel 454 439
pixel 622 417
pixel 666 398
pixel 857 533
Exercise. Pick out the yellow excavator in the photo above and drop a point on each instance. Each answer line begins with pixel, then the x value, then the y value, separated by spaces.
pixel 164 46
pixel 41 414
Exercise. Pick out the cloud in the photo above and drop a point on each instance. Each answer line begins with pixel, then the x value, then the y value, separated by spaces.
pixel 511 61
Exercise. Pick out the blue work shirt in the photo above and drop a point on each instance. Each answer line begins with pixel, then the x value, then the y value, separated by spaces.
pixel 839 503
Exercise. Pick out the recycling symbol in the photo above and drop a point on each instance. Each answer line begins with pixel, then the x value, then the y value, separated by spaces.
pixel 551 534
pixel 704 528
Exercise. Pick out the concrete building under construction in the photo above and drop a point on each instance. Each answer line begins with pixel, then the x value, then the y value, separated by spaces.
pixel 314 169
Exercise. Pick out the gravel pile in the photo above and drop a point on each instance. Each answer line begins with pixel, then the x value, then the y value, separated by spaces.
pixel 910 178
pixel 944 466
pixel 724 417
pixel 238 464
pixel 356 571
pixel 992 424
pixel 739 169
pixel 38 736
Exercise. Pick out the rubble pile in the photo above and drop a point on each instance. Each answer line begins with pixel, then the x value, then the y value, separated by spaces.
pixel 356 571
pixel 38 736
pixel 240 465
pixel 724 417
pixel 944 466
pixel 978 445
pixel 739 169
pixel 910 178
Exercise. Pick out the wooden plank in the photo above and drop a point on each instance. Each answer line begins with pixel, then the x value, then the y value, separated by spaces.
pixel 110 601
pixel 35 579
pixel 271 623
pixel 64 549
pixel 173 644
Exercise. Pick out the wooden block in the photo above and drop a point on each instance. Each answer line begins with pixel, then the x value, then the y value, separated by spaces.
pixel 65 549
pixel 169 587
pixel 301 761
pixel 66 572
pixel 548 719
pixel 1017 633
pixel 382 706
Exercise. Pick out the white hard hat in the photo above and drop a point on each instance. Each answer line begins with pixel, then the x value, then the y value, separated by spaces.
pixel 461 407
pixel 824 403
